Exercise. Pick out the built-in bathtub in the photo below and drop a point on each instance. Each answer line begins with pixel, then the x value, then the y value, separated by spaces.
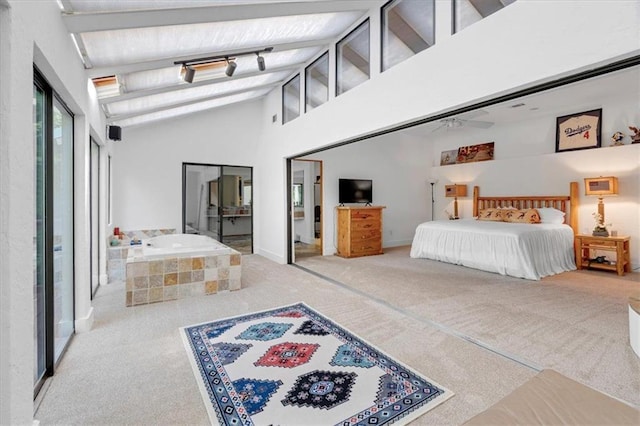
pixel 176 266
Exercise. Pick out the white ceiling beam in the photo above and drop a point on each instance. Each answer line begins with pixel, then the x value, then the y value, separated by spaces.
pixel 183 115
pixel 166 63
pixel 223 79
pixel 114 118
pixel 103 21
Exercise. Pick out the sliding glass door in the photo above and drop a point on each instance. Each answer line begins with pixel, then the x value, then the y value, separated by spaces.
pixel 40 241
pixel 217 202
pixel 95 217
pixel 53 246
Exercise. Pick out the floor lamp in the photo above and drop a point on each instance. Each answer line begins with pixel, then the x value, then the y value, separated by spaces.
pixel 433 201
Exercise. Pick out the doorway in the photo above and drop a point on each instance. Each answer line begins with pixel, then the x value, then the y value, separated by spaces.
pixel 306 208
pixel 217 201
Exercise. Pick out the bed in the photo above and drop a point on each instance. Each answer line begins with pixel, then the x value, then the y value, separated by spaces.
pixel 522 250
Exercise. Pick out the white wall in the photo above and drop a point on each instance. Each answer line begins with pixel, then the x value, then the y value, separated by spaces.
pixel 526 164
pixel 527 43
pixel 398 166
pixel 147 163
pixel 32 32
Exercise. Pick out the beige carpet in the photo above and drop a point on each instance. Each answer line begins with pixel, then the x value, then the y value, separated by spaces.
pixel 575 323
pixel 132 368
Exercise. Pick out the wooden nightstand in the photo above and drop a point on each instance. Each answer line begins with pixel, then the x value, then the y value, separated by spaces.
pixel 620 245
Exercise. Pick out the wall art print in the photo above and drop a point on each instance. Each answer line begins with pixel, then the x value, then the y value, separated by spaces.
pixel 579 131
pixel 448 157
pixel 473 153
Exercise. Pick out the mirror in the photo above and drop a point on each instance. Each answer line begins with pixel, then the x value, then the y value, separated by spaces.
pixel 298 195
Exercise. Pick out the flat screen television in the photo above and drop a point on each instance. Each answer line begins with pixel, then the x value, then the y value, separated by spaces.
pixel 355 191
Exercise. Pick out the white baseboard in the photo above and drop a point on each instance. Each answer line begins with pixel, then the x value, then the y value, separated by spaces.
pixel 86 323
pixel 271 256
pixel 397 243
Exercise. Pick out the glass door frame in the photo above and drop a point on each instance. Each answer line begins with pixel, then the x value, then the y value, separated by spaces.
pixel 94 269
pixel 221 167
pixel 50 361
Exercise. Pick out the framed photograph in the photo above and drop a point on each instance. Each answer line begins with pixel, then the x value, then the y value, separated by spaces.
pixel 473 153
pixel 579 131
pixel 448 157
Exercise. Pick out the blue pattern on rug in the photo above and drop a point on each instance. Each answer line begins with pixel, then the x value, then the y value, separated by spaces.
pixel 255 394
pixel 264 331
pixel 321 389
pixel 239 383
pixel 230 352
pixel 348 356
pixel 311 328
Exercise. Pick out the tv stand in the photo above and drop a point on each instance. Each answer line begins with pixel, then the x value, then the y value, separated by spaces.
pixel 368 205
pixel 359 231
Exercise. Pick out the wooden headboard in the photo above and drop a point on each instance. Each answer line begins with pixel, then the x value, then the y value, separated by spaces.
pixel 566 203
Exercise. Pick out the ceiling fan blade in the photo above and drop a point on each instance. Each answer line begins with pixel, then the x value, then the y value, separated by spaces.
pixel 476 123
pixel 440 127
pixel 472 114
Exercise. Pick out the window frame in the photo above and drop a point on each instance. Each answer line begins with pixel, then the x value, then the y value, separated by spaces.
pixel 306 85
pixel 382 22
pixel 357 27
pixel 297 75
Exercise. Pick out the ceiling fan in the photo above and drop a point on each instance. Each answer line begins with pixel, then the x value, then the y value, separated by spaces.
pixel 463 120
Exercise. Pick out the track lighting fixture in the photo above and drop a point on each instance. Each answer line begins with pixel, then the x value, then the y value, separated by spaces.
pixel 189 74
pixel 231 68
pixel 190 66
pixel 260 60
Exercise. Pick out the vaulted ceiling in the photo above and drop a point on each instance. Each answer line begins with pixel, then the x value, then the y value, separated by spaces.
pixel 134 50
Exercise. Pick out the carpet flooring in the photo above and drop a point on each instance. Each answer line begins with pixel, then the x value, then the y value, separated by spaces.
pixel 575 323
pixel 479 334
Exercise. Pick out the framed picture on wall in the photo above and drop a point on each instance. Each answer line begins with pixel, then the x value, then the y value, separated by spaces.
pixel 448 157
pixel 579 131
pixel 473 153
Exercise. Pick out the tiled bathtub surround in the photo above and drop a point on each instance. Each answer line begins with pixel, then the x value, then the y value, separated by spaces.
pixel 118 254
pixel 158 280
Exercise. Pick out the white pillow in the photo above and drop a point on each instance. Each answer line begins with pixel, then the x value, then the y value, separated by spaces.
pixel 550 215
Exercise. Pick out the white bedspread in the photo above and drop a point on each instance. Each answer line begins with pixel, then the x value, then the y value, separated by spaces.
pixel 520 250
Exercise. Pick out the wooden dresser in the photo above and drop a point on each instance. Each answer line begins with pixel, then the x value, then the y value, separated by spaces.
pixel 359 231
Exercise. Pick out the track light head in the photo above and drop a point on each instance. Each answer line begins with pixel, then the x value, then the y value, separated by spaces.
pixel 189 74
pixel 261 65
pixel 231 68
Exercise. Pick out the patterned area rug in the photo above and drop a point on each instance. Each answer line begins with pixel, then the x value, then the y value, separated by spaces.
pixel 293 366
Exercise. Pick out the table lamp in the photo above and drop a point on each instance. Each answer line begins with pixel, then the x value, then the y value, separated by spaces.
pixel 601 186
pixel 455 191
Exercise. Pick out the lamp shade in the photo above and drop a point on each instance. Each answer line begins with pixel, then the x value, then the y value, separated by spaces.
pixel 600 186
pixel 455 190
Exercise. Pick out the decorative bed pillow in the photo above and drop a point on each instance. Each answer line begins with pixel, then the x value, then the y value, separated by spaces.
pixel 551 215
pixel 490 214
pixel 521 216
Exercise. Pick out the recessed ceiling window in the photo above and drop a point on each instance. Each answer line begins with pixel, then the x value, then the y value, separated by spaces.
pixel 291 99
pixel 317 82
pixel 407 28
pixel 467 12
pixel 352 54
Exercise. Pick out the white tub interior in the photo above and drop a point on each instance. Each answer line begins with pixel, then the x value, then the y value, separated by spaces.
pixel 178 245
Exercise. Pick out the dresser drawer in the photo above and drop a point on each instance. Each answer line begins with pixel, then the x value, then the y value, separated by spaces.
pixel 365 235
pixel 365 248
pixel 364 225
pixel 358 215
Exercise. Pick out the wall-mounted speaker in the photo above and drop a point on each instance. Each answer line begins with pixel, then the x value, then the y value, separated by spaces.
pixel 115 133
